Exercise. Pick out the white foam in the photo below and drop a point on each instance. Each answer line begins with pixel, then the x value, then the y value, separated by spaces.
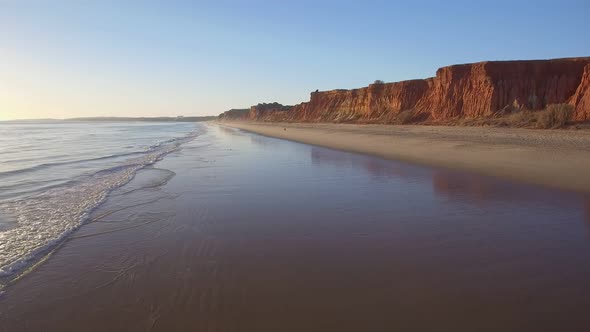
pixel 45 220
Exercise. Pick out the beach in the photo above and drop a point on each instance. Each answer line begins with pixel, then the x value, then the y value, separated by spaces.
pixel 235 231
pixel 554 158
pixel 293 166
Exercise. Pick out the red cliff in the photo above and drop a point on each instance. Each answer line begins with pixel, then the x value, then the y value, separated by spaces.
pixel 234 114
pixel 268 112
pixel 381 101
pixel 581 99
pixel 459 91
pixel 484 88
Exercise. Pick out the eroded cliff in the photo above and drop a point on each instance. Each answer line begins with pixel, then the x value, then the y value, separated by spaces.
pixel 485 88
pixel 460 91
pixel 381 101
pixel 581 99
pixel 234 114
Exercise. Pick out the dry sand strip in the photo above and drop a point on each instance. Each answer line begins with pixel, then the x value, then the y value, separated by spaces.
pixel 554 158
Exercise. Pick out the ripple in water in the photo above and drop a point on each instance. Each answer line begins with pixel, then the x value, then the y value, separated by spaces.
pixel 33 226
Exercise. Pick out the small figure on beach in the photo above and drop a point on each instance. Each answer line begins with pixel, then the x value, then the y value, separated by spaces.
pixel 285 129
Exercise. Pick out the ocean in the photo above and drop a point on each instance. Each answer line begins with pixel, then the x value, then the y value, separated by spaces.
pixel 52 174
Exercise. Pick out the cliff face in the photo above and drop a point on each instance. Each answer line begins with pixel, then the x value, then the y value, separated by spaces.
pixel 234 114
pixel 375 102
pixel 459 91
pixel 268 112
pixel 260 112
pixel 581 99
pixel 484 88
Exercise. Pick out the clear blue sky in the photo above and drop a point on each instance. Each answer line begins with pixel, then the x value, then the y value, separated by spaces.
pixel 130 58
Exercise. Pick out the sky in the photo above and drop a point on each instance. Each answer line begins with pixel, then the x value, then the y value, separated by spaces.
pixel 61 59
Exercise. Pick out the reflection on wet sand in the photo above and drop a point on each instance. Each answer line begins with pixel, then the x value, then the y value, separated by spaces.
pixel 447 184
pixel 374 166
pixel 480 188
pixel 248 233
pixel 263 141
pixel 474 189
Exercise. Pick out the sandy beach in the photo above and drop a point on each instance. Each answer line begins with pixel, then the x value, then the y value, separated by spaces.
pixel 240 232
pixel 554 158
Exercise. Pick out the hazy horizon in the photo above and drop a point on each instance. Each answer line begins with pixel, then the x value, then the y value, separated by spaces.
pixel 70 59
pixel 98 117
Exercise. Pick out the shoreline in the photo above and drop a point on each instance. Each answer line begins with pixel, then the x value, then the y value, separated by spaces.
pixel 260 234
pixel 557 159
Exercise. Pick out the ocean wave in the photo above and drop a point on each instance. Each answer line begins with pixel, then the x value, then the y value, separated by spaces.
pixel 70 162
pixel 21 160
pixel 44 220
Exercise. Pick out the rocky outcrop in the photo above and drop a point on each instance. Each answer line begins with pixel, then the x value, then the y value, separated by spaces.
pixel 460 91
pixel 581 99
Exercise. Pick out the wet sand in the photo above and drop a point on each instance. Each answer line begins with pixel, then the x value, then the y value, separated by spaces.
pixel 241 232
pixel 555 158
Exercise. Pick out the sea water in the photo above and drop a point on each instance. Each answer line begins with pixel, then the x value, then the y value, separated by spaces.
pixel 53 173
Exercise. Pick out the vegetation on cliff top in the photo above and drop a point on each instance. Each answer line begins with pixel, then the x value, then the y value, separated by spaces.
pixel 272 106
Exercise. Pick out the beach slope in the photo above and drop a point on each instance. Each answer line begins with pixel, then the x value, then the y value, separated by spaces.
pixel 555 158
